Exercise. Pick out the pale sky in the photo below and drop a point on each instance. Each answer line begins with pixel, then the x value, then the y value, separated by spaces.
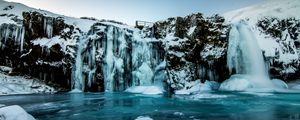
pixel 128 11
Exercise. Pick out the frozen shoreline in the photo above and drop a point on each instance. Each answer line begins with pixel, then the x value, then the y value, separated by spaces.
pixel 20 85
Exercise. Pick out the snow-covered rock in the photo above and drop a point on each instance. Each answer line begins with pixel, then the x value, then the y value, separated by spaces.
pixel 195 87
pixel 14 112
pixel 271 8
pixel 236 83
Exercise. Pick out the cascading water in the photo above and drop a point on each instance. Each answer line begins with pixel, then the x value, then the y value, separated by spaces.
pixel 245 57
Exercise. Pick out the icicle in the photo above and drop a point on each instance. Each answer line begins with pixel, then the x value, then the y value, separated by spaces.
pixel 17 36
pixel 48 27
pixel 6 34
pixel 22 39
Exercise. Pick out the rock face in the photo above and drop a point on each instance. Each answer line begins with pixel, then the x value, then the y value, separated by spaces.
pixel 195 48
pixel 284 60
pixel 23 49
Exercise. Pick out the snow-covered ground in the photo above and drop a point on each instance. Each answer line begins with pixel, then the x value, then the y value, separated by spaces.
pixel 22 85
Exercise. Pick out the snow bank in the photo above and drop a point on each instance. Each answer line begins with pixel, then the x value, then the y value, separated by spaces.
pixel 276 8
pixel 297 87
pixel 148 90
pixel 14 112
pixel 21 85
pixel 143 118
pixel 236 83
pixel 279 83
pixel 5 69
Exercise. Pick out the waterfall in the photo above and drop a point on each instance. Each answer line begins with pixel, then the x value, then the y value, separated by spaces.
pixel 245 57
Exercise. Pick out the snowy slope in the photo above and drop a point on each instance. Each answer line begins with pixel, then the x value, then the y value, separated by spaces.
pixel 268 8
pixel 17 9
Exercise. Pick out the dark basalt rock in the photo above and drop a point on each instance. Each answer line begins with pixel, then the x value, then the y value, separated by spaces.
pixel 285 32
pixel 194 34
pixel 49 64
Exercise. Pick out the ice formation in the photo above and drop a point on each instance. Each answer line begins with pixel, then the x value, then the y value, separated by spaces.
pixel 128 59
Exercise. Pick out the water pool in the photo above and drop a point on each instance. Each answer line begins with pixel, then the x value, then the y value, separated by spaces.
pixel 125 106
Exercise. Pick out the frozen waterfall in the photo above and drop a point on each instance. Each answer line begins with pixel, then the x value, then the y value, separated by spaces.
pixel 245 57
pixel 124 59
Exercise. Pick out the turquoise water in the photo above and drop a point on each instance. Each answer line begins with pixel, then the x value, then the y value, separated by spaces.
pixel 125 106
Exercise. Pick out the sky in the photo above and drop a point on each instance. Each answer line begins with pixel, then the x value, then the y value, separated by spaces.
pixel 128 11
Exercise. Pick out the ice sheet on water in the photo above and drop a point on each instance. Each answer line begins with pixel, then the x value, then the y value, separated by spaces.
pixel 14 112
pixel 207 96
pixel 148 90
pixel 143 118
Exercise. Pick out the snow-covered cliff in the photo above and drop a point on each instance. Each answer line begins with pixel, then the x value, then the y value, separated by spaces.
pixel 276 25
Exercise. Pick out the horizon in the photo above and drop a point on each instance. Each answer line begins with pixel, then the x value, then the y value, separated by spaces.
pixel 129 11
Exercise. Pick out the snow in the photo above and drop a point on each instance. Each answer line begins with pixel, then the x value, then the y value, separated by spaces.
pixel 268 8
pixel 14 112
pixel 21 85
pixel 5 69
pixel 76 91
pixel 210 50
pixel 236 83
pixel 200 96
pixel 148 90
pixel 297 87
pixel 143 118
pixel 18 9
pixel 194 87
pixel 294 85
pixel 280 83
pixel 49 42
pixel 191 30
pixel 178 113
